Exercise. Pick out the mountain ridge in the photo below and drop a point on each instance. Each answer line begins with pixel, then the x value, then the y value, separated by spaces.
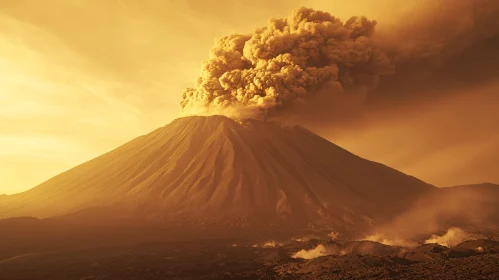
pixel 218 169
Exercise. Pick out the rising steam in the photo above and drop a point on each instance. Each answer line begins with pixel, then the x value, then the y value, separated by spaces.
pixel 451 238
pixel 334 235
pixel 268 244
pixel 316 252
pixel 284 62
pixel 381 238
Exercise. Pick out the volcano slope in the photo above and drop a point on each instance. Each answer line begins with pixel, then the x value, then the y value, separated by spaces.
pixel 215 170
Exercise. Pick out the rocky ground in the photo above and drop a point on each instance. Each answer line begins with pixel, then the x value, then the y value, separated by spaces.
pixel 238 259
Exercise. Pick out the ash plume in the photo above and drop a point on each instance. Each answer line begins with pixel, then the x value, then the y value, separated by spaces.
pixel 284 62
pixel 435 47
pixel 313 67
pixel 445 28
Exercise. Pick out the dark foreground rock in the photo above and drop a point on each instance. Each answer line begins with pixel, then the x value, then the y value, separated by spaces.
pixel 374 267
pixel 235 259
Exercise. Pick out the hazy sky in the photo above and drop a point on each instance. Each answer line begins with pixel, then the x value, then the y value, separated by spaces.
pixel 80 77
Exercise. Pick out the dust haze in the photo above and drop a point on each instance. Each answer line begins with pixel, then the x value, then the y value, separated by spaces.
pixel 445 217
pixel 225 190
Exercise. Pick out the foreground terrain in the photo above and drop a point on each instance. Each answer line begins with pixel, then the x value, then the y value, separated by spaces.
pixel 242 259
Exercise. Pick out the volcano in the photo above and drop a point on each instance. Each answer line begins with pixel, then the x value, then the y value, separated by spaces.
pixel 222 171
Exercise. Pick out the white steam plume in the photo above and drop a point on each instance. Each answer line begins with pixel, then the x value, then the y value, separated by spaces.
pixel 451 238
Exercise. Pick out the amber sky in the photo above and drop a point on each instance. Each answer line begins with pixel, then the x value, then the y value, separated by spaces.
pixel 80 77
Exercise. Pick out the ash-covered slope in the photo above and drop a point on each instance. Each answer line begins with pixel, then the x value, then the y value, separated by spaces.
pixel 214 169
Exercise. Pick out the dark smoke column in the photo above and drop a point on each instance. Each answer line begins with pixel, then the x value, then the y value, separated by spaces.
pixel 285 62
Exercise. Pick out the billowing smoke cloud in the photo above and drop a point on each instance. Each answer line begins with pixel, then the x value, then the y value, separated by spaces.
pixel 302 66
pixel 451 238
pixel 286 62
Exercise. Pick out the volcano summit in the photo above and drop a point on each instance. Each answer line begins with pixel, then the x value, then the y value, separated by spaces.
pixel 220 171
